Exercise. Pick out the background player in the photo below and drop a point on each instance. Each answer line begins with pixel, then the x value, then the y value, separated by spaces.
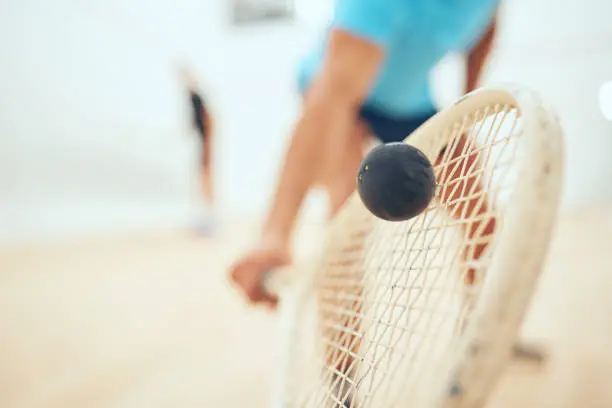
pixel 202 123
pixel 370 76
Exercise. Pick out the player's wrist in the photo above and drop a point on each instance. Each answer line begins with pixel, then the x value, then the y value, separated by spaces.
pixel 277 232
pixel 276 239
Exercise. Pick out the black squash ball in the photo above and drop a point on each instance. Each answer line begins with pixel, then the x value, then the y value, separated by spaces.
pixel 396 181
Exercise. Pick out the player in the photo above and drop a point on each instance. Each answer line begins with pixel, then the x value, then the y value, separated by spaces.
pixel 202 123
pixel 370 76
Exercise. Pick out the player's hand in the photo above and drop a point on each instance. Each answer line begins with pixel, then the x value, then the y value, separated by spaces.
pixel 248 272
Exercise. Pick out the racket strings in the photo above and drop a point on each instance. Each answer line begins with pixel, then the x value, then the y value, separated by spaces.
pixel 464 171
pixel 390 296
pixel 391 323
pixel 381 323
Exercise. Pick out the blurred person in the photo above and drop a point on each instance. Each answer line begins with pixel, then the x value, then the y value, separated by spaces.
pixel 201 121
pixel 369 76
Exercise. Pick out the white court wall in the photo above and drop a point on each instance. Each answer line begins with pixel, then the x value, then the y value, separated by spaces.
pixel 93 127
pixel 565 53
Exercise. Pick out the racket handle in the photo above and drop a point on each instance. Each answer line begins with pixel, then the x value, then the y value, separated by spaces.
pixel 274 280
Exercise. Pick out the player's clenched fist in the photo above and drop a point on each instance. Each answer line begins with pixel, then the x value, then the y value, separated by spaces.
pixel 248 272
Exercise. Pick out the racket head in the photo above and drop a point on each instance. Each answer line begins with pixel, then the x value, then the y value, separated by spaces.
pixel 364 329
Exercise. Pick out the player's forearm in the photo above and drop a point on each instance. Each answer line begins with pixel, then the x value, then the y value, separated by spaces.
pixel 478 57
pixel 295 179
pixel 322 135
pixel 316 140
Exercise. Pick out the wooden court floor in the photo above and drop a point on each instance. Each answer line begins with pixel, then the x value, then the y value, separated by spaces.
pixel 148 320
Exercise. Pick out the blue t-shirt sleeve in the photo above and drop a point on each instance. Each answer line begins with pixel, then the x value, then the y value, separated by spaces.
pixel 373 20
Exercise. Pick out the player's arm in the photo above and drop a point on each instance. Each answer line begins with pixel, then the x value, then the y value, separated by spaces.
pixel 464 156
pixel 324 128
pixel 207 119
pixel 210 134
pixel 355 51
pixel 478 56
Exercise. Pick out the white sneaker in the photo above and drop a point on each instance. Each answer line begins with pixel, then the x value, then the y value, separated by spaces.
pixel 206 226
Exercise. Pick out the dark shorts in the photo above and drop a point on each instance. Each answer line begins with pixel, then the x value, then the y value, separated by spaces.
pixel 389 128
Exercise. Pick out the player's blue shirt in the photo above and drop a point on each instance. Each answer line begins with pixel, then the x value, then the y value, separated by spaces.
pixel 415 34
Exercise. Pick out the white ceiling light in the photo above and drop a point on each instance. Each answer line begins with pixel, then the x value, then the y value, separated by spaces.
pixel 605 99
